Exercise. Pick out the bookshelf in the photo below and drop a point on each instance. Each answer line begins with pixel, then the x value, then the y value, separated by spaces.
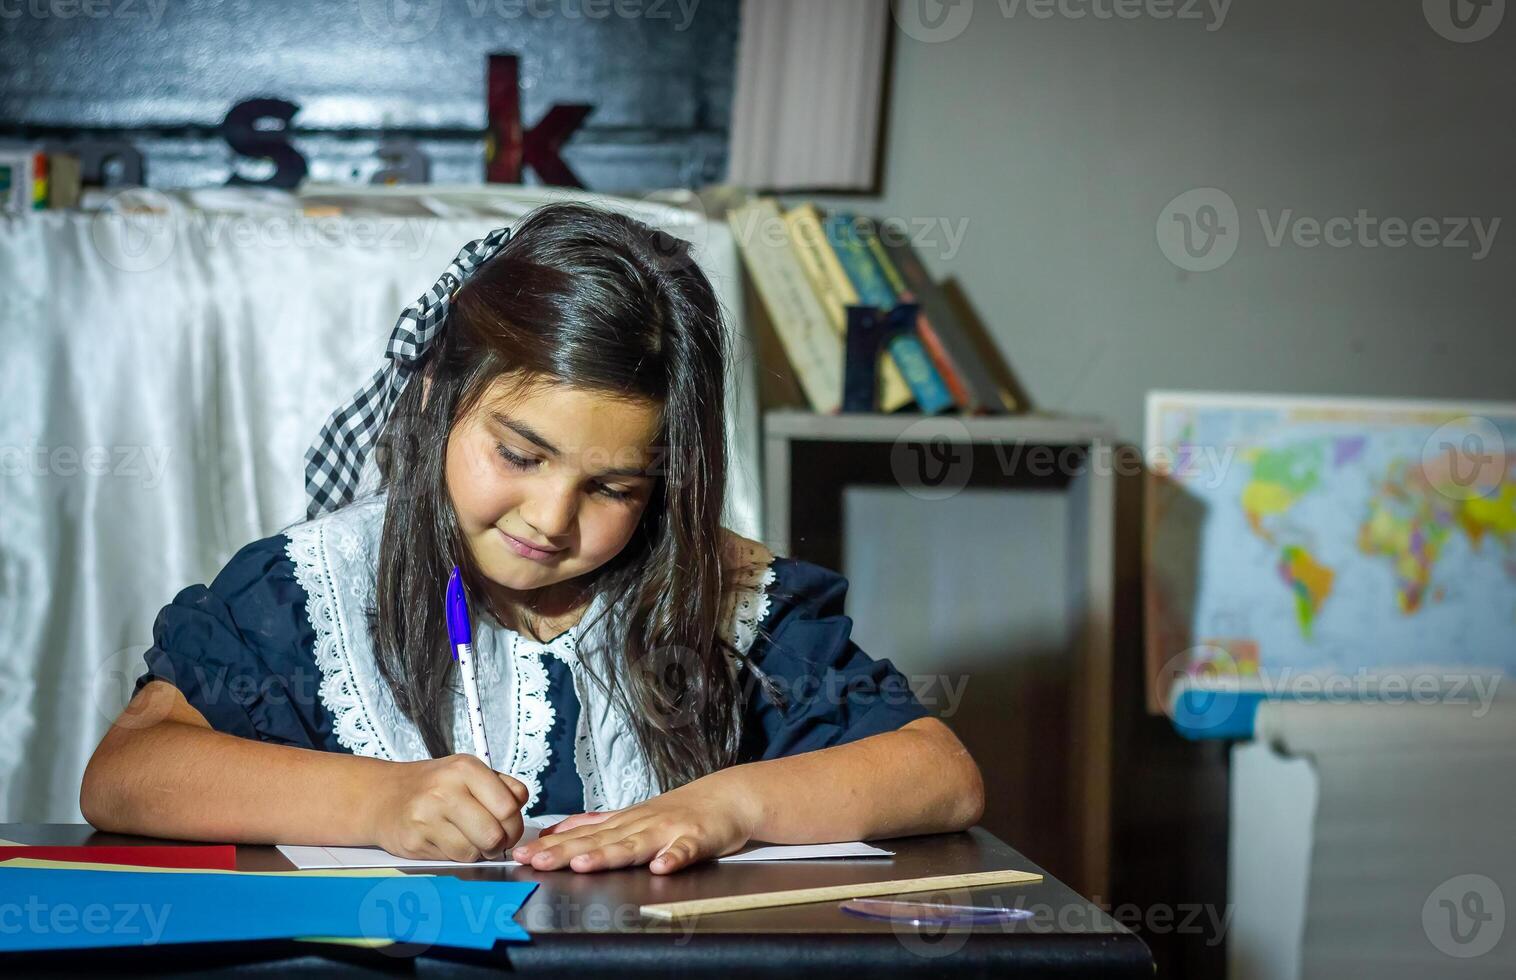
pixel 811 459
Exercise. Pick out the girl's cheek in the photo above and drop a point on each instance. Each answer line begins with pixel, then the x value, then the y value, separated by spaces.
pixel 484 462
pixel 616 532
pixel 498 500
pixel 468 475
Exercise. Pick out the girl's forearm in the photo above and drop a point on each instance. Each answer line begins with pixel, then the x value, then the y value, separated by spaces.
pixel 918 779
pixel 188 782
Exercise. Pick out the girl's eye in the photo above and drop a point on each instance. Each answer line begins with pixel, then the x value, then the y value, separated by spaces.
pixel 613 493
pixel 519 462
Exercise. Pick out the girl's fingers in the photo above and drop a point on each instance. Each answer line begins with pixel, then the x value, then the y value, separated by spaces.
pixel 562 832
pixel 452 843
pixel 683 852
pixel 557 854
pixel 485 833
pixel 495 790
pixel 517 787
pixel 578 820
pixel 635 849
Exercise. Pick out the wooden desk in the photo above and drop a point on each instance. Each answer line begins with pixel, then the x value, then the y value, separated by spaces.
pixel 589 925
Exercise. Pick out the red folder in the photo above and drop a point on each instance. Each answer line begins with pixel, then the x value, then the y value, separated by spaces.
pixel 215 857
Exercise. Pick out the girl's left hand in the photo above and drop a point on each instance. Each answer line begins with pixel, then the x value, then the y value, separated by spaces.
pixel 696 822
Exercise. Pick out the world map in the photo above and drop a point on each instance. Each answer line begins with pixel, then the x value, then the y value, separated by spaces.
pixel 1326 536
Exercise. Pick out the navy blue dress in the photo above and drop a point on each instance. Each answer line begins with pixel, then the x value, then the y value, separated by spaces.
pixel 242 651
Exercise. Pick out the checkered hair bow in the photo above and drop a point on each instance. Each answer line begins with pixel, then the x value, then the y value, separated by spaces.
pixel 334 463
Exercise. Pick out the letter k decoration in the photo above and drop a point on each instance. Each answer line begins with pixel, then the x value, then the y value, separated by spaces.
pixel 509 147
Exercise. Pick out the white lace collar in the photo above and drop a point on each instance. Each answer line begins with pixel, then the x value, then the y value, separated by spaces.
pixel 335 560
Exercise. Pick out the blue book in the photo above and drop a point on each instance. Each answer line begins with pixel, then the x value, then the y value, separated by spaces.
pixel 927 387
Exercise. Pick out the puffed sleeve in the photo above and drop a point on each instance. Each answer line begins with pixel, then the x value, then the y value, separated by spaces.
pixel 242 651
pixel 831 691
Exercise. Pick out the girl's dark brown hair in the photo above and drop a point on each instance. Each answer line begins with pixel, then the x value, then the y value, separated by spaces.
pixel 592 299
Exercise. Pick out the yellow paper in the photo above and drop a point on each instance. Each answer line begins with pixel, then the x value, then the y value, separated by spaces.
pixel 325 872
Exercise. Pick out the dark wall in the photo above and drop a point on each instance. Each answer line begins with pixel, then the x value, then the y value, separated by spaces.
pixel 659 72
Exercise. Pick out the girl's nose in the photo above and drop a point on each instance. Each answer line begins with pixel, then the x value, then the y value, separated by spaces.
pixel 551 513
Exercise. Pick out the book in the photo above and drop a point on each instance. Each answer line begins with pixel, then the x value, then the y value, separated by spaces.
pixel 819 261
pixel 864 273
pixel 930 391
pixel 868 330
pixel 941 359
pixel 836 293
pixel 985 394
pixel 17 179
pixel 64 182
pixel 39 181
pixel 932 394
pixel 813 346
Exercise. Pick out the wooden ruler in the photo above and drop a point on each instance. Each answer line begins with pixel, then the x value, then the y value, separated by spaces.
pixel 832 893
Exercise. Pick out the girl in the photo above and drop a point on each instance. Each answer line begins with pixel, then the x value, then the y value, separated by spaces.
pixel 676 688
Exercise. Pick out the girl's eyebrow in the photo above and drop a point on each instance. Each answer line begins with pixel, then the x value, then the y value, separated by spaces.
pixel 532 435
pixel 525 431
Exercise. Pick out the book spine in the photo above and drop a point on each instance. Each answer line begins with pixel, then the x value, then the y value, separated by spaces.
pixel 820 263
pixel 987 393
pixel 63 181
pixel 941 360
pixel 894 392
pixel 962 396
pixel 870 238
pixel 932 395
pixel 39 181
pixel 16 180
pixel 860 380
pixel 927 387
pixel 867 279
pixel 813 347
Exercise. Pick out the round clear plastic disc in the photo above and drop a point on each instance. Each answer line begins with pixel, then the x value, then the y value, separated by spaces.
pixel 932 914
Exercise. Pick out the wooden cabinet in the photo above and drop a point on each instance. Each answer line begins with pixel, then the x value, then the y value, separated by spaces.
pixel 1035 712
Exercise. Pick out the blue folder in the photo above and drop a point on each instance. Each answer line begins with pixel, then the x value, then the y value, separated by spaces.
pixel 45 908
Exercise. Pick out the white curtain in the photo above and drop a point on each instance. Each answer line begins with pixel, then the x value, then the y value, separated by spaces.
pixel 805 115
pixel 163 375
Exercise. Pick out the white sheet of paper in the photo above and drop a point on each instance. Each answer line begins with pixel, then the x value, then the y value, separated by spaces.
pixel 306 857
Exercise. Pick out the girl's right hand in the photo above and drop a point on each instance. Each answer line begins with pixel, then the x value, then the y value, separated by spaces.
pixel 455 808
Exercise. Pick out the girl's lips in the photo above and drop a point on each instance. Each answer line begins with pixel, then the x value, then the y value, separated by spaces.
pixel 525 550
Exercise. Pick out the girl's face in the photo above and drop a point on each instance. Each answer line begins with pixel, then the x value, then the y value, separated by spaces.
pixel 550 482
